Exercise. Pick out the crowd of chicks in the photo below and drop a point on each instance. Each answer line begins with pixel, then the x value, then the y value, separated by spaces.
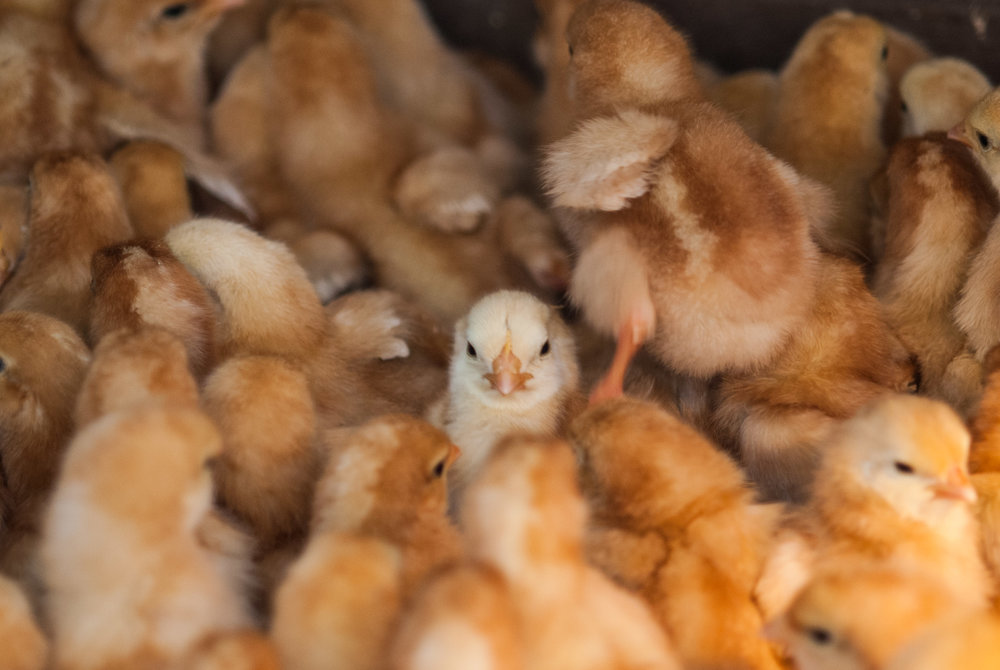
pixel 282 384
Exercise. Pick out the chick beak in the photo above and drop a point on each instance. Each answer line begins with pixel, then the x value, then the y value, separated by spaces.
pixel 453 453
pixel 955 485
pixel 507 376
pixel 957 133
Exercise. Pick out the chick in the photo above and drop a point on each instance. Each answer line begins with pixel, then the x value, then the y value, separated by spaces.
pixel 828 117
pixel 155 49
pixel 24 645
pixel 980 131
pixel 131 368
pixel 777 416
pixel 141 283
pixel 674 521
pixel 931 236
pixel 524 516
pixel 678 217
pixel 121 528
pixel 513 369
pixel 75 209
pixel 853 617
pixel 892 486
pixel 42 366
pixel 938 93
pixel 154 185
pixel 970 642
pixel 379 530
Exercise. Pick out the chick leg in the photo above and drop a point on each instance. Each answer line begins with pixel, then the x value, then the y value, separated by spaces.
pixel 633 332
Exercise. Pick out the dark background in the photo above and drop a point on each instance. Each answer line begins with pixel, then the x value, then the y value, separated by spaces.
pixel 737 34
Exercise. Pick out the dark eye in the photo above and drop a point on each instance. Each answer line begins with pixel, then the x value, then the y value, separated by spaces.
pixel 885 52
pixel 903 107
pixel 175 11
pixel 984 141
pixel 545 348
pixel 570 50
pixel 439 469
pixel 905 468
pixel 470 350
pixel 819 635
pixel 3 365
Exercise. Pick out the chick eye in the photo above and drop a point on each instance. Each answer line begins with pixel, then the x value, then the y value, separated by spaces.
pixel 470 350
pixel 819 635
pixel 545 348
pixel 904 468
pixel 903 107
pixel 570 50
pixel 984 141
pixel 175 11
pixel 3 365
pixel 885 52
pixel 439 469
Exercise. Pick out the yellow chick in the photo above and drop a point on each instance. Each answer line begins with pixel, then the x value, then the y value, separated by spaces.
pixel 379 530
pixel 75 209
pixel 142 283
pixel 154 185
pixel 828 117
pixel 931 235
pixel 777 416
pixel 524 516
pixel 892 486
pixel 937 94
pixel 121 529
pixel 513 369
pixel 674 521
pixel 970 642
pixel 980 131
pixel 24 644
pixel 858 616
pixel 667 200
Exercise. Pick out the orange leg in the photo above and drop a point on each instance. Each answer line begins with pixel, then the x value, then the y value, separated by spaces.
pixel 631 335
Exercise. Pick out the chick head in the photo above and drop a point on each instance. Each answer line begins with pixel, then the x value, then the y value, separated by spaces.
pixel 910 450
pixel 980 131
pixel 938 93
pixel 512 351
pixel 383 474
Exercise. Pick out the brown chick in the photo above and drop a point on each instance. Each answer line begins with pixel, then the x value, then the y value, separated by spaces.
pixel 938 93
pixel 141 283
pixel 155 49
pixel 42 366
pixel 75 209
pixel 892 486
pixel 524 516
pixel 828 118
pixel 154 185
pixel 13 226
pixel 674 521
pixel 970 642
pixel 777 416
pixel 24 644
pixel 858 616
pixel 691 238
pixel 940 207
pixel 379 530
pixel 121 529
pixel 513 369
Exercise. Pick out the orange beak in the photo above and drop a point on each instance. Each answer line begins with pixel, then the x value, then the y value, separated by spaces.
pixel 957 133
pixel 507 376
pixel 955 485
pixel 453 453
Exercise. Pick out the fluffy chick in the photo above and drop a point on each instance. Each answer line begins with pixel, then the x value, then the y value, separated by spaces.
pixel 141 283
pixel 777 416
pixel 131 368
pixel 524 516
pixel 75 209
pixel 669 208
pixel 940 206
pixel 379 530
pixel 892 486
pixel 853 617
pixel 42 366
pixel 513 369
pixel 937 94
pixel 970 642
pixel 154 185
pixel 674 521
pixel 828 117
pixel 980 131
pixel 121 528
pixel 25 647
